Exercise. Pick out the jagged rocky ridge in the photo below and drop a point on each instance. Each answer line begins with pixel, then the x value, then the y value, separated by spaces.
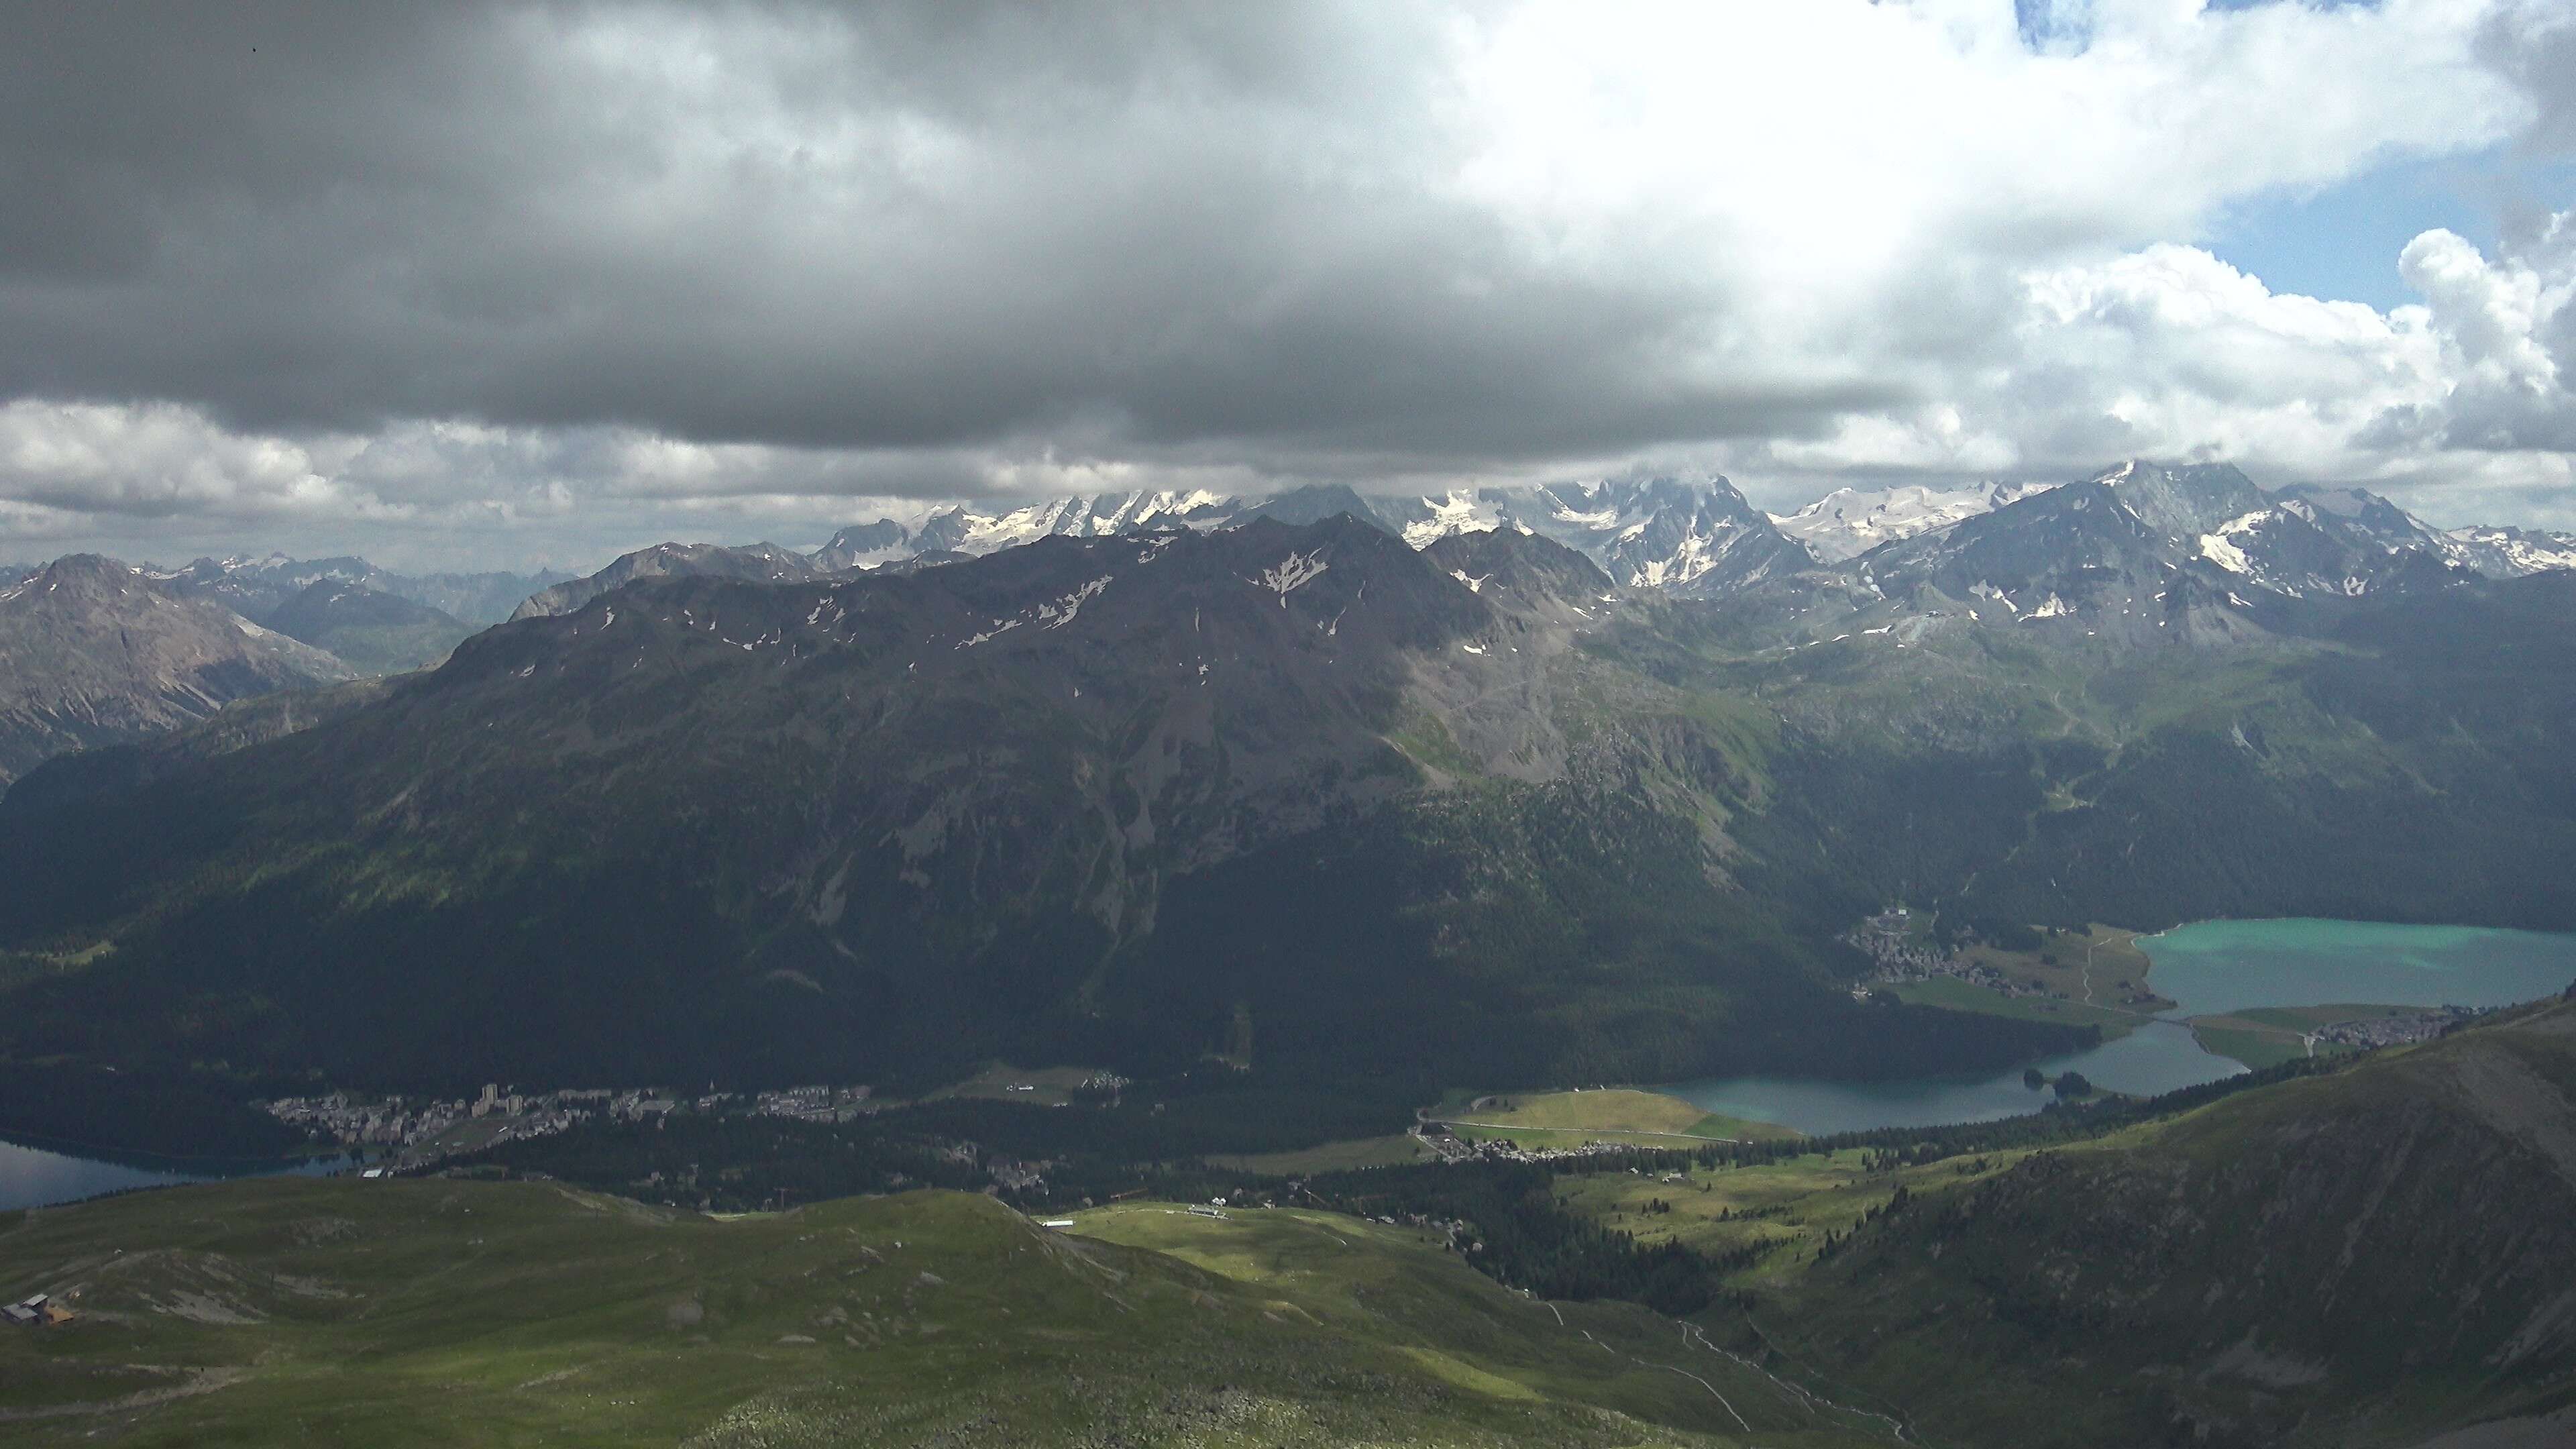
pixel 1698 538
pixel 759 562
pixel 1695 538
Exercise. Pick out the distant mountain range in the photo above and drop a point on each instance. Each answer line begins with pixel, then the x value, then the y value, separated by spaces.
pixel 100 652
pixel 93 652
pixel 1693 538
pixel 2142 551
pixel 255 588
pixel 372 632
pixel 1698 538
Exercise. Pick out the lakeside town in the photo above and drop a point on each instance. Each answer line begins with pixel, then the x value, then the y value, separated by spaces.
pixel 1895 945
pixel 416 1132
pixel 2364 1033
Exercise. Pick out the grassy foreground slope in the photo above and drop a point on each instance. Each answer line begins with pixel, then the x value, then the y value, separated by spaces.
pixel 2380 1253
pixel 436 1311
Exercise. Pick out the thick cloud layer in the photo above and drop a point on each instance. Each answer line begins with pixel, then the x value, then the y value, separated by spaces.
pixel 473 274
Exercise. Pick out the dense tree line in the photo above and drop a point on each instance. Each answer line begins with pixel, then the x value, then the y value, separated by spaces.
pixel 90 1109
pixel 1523 1237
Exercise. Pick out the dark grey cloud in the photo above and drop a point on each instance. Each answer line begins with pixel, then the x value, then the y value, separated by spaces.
pixel 573 268
pixel 879 227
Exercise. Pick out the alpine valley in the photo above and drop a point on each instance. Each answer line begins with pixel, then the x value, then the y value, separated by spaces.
pixel 1264 847
pixel 1596 775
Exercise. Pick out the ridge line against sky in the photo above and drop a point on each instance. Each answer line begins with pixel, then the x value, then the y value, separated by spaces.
pixel 489 285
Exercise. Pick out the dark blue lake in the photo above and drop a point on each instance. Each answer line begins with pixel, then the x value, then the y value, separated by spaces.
pixel 39 1177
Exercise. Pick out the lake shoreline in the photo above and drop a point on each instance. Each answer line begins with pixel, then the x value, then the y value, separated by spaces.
pixel 2207 969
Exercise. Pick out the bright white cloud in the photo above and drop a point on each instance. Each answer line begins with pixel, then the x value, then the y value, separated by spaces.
pixel 2170 352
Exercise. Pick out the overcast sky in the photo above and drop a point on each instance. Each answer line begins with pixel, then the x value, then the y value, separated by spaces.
pixel 457 283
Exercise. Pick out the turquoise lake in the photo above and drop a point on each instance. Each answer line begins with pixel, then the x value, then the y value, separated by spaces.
pixel 2220 966
pixel 2207 968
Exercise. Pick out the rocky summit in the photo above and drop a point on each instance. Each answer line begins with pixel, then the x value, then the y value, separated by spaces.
pixel 93 652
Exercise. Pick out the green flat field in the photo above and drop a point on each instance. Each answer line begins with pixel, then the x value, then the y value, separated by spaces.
pixel 2309 1018
pixel 1390 1151
pixel 2097 966
pixel 1570 1119
pixel 2266 1036
pixel 449 1312
pixel 1958 995
pixel 2253 1043
pixel 1049 1086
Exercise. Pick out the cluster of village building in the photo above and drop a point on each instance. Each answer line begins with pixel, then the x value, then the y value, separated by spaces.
pixel 2380 1031
pixel 423 1129
pixel 1888 939
pixel 812 1104
pixel 1454 1148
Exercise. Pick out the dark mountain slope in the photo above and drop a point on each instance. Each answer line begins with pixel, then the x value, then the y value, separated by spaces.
pixel 376 633
pixel 759 562
pixel 2184 500
pixel 2369 1256
pixel 2079 545
pixel 2393 757
pixel 92 652
pixel 1527 573
pixel 106 771
pixel 1143 797
pixel 888 825
pixel 2151 554
pixel 1312 504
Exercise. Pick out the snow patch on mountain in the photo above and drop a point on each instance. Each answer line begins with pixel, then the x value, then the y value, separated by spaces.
pixel 1292 573
pixel 1451 513
pixel 2509 552
pixel 2221 547
pixel 1849 522
pixel 1064 610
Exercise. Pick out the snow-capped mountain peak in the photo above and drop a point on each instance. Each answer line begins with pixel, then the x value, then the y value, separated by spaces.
pixel 1849 522
pixel 2509 552
pixel 1697 537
